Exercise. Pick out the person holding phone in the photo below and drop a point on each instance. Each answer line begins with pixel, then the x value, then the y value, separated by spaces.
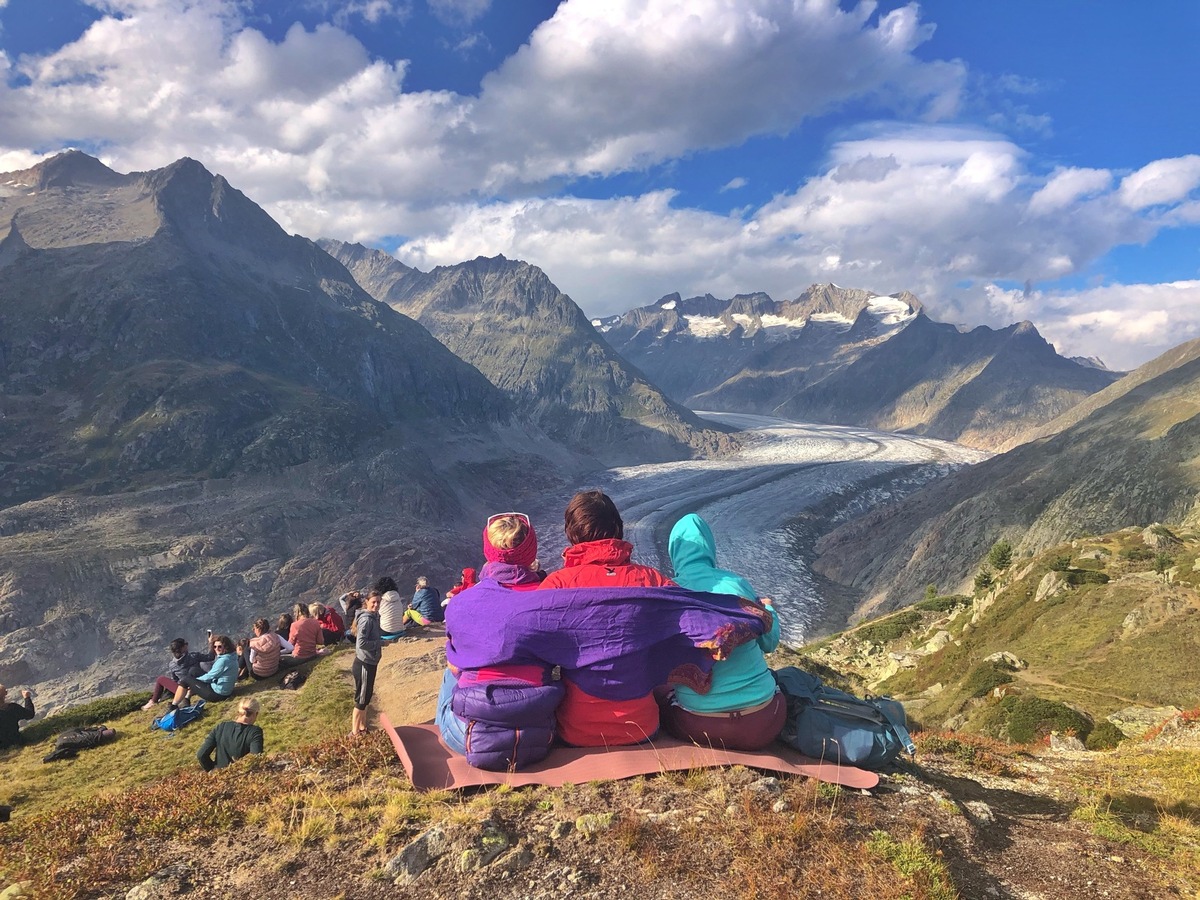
pixel 11 716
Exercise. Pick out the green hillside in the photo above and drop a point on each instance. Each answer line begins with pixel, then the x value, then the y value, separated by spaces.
pixel 1095 627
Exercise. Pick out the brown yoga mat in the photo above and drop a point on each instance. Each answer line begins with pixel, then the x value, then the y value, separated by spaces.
pixel 431 765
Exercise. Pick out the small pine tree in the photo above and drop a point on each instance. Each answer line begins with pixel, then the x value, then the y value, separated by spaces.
pixel 1000 556
pixel 984 579
pixel 1162 562
pixel 931 592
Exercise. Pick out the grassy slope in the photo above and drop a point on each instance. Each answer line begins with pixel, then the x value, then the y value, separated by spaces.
pixel 319 805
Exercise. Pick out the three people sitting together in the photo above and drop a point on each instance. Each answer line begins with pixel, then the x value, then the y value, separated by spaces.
pixel 604 651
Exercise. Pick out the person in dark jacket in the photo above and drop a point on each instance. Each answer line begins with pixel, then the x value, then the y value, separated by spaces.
pixel 11 716
pixel 426 604
pixel 184 663
pixel 232 740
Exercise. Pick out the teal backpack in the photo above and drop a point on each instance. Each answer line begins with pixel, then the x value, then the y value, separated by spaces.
pixel 175 719
pixel 827 724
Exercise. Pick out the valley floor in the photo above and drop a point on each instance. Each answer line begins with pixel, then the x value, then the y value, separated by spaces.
pixel 752 500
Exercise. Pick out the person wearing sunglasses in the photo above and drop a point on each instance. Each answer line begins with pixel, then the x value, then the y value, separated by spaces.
pixel 500 716
pixel 218 682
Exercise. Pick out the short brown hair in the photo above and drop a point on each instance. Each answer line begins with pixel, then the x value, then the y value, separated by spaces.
pixel 592 516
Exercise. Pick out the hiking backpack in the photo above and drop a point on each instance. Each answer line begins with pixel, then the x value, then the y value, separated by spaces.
pixel 174 719
pixel 827 724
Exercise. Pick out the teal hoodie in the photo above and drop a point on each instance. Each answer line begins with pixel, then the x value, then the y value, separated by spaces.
pixel 744 679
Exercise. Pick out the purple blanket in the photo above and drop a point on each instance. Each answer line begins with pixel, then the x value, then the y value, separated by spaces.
pixel 614 643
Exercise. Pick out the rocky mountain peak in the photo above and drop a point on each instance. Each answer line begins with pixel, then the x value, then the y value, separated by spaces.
pixel 74 168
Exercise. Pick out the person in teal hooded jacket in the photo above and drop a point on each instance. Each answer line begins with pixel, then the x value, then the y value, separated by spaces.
pixel 744 709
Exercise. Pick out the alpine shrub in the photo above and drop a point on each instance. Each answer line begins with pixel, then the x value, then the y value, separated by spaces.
pixel 1032 718
pixel 1105 736
pixel 984 678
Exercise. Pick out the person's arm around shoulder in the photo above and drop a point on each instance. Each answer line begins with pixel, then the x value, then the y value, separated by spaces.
pixel 26 696
pixel 769 641
pixel 204 754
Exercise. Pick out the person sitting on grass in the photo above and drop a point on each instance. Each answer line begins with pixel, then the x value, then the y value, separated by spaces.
pixel 426 604
pixel 11 716
pixel 465 580
pixel 333 628
pixel 218 682
pixel 232 740
pixel 305 634
pixel 391 608
pixel 183 662
pixel 261 654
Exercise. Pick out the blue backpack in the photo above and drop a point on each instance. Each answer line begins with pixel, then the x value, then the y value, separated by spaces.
pixel 175 719
pixel 827 724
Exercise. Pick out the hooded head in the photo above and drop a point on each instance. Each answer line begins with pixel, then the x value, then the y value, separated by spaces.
pixel 694 559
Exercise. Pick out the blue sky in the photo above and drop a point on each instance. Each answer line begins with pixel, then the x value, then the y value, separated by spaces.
pixel 1003 161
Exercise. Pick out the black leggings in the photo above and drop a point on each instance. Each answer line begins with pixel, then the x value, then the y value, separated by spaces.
pixel 204 689
pixel 364 683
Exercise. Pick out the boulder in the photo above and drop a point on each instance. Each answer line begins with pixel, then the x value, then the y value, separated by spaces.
pixel 1008 659
pixel 1134 721
pixel 1063 743
pixel 936 643
pixel 1051 585
pixel 1158 537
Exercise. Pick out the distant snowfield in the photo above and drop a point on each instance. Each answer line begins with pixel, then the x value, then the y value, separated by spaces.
pixel 784 468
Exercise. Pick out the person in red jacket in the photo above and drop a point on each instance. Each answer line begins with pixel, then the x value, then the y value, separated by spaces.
pixel 599 556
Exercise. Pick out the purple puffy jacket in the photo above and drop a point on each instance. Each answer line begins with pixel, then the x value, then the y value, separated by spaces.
pixel 510 723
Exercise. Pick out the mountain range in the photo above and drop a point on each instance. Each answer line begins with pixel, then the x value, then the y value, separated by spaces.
pixel 534 343
pixel 204 419
pixel 849 357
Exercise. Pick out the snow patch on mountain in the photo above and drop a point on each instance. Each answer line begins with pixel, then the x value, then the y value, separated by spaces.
pixel 705 326
pixel 772 321
pixel 831 318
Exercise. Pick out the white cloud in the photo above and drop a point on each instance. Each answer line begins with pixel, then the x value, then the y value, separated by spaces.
pixel 734 184
pixel 372 10
pixel 1066 186
pixel 1125 324
pixel 1162 181
pixel 456 12
pixel 944 213
pixel 599 89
